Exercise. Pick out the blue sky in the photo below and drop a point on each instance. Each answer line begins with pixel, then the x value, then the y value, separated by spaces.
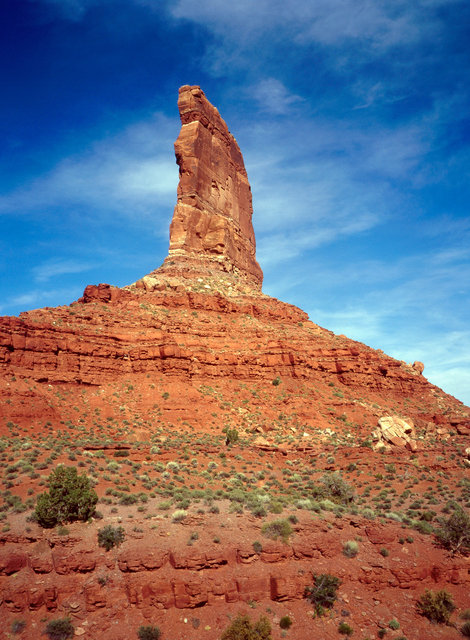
pixel 353 118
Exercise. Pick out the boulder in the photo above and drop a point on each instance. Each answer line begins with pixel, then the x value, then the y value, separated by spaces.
pixel 394 431
pixel 418 366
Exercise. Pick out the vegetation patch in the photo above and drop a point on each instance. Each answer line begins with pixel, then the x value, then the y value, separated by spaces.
pixel 322 595
pixel 436 606
pixel 243 629
pixel 280 528
pixel 70 497
pixel 109 537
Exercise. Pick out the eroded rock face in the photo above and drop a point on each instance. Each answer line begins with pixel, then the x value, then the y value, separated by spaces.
pixel 211 223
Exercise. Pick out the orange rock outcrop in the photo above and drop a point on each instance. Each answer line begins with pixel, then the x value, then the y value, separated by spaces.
pixel 211 226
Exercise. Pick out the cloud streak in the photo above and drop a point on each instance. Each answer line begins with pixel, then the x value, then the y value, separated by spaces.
pixel 129 174
pixel 57 267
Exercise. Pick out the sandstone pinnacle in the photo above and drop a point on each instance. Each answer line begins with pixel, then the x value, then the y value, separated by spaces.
pixel 211 232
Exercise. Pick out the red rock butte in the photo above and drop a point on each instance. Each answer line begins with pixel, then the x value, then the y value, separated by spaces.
pixel 211 232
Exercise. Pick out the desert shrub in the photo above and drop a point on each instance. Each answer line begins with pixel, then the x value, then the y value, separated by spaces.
pixel 277 381
pixel 70 497
pixel 322 594
pixel 148 633
pixel 334 488
pixel 427 516
pixel 454 533
pixel 394 624
pixel 277 529
pixel 345 629
pixel 257 546
pixel 179 515
pixel 423 527
pixel 121 453
pixel 62 531
pixel 276 507
pixel 350 548
pixel 231 436
pixel 465 629
pixel 259 510
pixel 285 622
pixel 436 606
pixel 384 552
pixel 109 537
pixel 381 633
pixel 59 629
pixel 128 498
pixel 243 629
pixel 17 626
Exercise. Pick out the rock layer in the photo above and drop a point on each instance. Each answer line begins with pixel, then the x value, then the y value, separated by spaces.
pixel 157 572
pixel 211 226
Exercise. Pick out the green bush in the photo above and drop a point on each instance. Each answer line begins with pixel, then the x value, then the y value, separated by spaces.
pixel 350 548
pixel 285 622
pixel 179 515
pixel 423 527
pixel 128 498
pixel 334 488
pixel 70 497
pixel 148 633
pixel 257 546
pixel 243 629
pixel 454 533
pixel 109 537
pixel 259 510
pixel 60 629
pixel 322 594
pixel 394 624
pixel 345 629
pixel 231 436
pixel 436 606
pixel 277 529
pixel 277 381
pixel 121 453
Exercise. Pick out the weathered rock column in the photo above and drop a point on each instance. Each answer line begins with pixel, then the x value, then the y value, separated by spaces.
pixel 211 224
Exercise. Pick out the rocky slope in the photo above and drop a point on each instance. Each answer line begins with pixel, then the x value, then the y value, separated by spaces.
pixel 139 385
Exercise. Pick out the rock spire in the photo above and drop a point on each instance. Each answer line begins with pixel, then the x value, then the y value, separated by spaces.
pixel 211 230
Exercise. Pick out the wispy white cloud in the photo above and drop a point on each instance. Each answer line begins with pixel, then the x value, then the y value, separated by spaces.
pixel 403 305
pixel 38 298
pixel 314 183
pixel 376 23
pixel 276 249
pixel 273 97
pixel 129 174
pixel 58 267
